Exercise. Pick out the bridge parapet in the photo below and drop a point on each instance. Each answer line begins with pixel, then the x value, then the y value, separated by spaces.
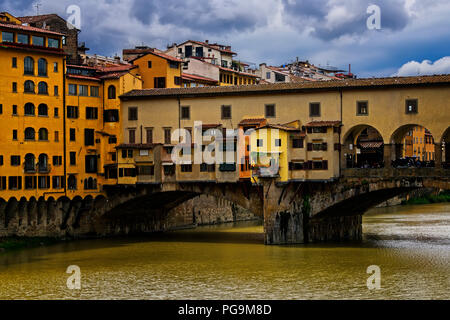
pixel 386 173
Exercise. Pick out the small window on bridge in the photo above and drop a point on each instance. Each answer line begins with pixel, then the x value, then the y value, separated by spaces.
pixel 412 106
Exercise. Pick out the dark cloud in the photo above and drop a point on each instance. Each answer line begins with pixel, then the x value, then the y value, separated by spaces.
pixel 393 16
pixel 197 15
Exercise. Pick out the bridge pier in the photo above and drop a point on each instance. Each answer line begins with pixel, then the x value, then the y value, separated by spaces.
pixel 438 155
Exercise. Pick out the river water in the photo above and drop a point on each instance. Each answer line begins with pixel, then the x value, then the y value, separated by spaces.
pixel 410 244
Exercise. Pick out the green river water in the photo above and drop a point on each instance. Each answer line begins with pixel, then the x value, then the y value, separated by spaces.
pixel 410 244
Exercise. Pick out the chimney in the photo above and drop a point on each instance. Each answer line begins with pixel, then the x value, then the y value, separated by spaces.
pixel 207 41
pixel 349 69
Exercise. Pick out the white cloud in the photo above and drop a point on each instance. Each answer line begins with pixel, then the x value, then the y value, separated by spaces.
pixel 426 67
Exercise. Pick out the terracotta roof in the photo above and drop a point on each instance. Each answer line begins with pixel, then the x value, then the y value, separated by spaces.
pixel 323 124
pixel 80 66
pixel 159 54
pixel 77 76
pixel 333 85
pixel 248 121
pixel 28 47
pixel 113 75
pixel 38 18
pixel 214 46
pixel 187 76
pixel 116 68
pixel 280 127
pixel 235 71
pixel 210 126
pixel 28 28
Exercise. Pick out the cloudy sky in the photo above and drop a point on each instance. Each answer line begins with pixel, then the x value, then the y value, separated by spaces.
pixel 414 37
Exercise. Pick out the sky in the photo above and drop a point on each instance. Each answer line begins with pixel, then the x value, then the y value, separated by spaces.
pixel 413 38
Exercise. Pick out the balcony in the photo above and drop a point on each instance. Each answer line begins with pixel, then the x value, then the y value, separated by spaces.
pixel 266 172
pixel 43 168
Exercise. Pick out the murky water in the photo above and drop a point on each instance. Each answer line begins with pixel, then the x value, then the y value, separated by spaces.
pixel 411 245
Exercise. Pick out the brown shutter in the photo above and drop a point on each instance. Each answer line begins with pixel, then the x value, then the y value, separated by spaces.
pixel 325 164
pixel 324 146
pixel 310 146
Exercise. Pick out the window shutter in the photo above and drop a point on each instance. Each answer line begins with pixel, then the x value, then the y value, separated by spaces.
pixel 19 183
pixel 309 165
pixel 291 166
pixel 121 172
pixel 337 147
pixel 325 164
pixel 310 146
pixel 324 146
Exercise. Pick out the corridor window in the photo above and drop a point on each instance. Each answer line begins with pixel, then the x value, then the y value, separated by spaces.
pixel 362 108
pixel 412 106
pixel 185 113
pixel 226 112
pixel 314 109
pixel 132 114
pixel 270 111
pixel 297 143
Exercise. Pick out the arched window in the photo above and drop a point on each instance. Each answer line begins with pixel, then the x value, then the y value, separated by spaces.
pixel 43 134
pixel 30 134
pixel 42 67
pixel 28 86
pixel 28 63
pixel 29 109
pixel 43 163
pixel 42 110
pixel 42 88
pixel 111 92
pixel 72 182
pixel 30 163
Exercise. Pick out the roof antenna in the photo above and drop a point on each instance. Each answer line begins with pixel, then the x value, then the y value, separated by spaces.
pixel 37 5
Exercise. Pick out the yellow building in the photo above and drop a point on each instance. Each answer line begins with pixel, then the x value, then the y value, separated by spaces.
pixel 419 143
pixel 159 70
pixel 31 111
pixel 231 77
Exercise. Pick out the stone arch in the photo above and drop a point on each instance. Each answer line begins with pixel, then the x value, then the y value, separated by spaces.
pixel 363 146
pixel 3 205
pixel 445 148
pixel 11 212
pixel 32 211
pixel 51 210
pixel 41 211
pixel 413 141
pixel 22 212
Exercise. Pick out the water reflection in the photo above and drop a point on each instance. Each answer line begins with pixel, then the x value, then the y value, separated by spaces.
pixel 410 244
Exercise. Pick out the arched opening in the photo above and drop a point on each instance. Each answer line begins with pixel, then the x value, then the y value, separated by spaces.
pixel 43 134
pixel 363 148
pixel 29 109
pixel 42 88
pixel 30 163
pixel 30 134
pixel 43 163
pixel 43 109
pixel 89 184
pixel 111 92
pixel 28 65
pixel 72 182
pixel 28 86
pixel 413 146
pixel 42 67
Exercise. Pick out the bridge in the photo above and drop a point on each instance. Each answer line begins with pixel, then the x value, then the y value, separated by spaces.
pixel 293 212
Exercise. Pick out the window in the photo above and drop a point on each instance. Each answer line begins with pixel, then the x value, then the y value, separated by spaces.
pixel 91 164
pixel 259 143
pixel 91 113
pixel 7 37
pixel 149 136
pixel 43 134
pixel 177 81
pixel 185 113
pixel 43 110
pixel 55 91
pixel 132 114
pixel 57 182
pixel 14 87
pixel 30 183
pixel 14 110
pixel 72 112
pixel 72 134
pixel 56 136
pixel 112 140
pixel 362 108
pixel 23 38
pixel 38 41
pixel 72 182
pixel 226 112
pixel 30 163
pixel 72 89
pixel 42 88
pixel 297 143
pixel 28 86
pixel 14 134
pixel 159 82
pixel 111 116
pixel 186 168
pixel 1 160
pixel 268 75
pixel 297 166
pixel 131 136
pixel 149 64
pixel 270 111
pixel 167 136
pixel 30 134
pixel 53 43
pixel 29 109
pixel 111 92
pixel 55 66
pixel 94 91
pixel 73 158
pixel 89 139
pixel 314 109
pixel 412 106
pixel 43 163
pixel 14 62
pixel 15 161
pixel 42 67
pixel 15 183
pixel 146 170
pixel 278 143
pixel 83 90
pixel 1 108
